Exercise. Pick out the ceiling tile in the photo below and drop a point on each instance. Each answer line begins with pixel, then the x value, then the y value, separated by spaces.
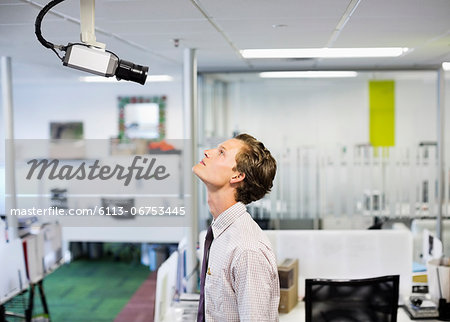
pixel 251 9
pixel 145 10
pixel 146 29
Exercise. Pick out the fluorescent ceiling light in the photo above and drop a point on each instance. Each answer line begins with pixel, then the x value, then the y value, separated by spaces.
pixel 101 79
pixel 446 65
pixel 308 74
pixel 159 78
pixel 323 52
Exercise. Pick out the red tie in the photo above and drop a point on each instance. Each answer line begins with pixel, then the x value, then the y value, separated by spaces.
pixel 201 305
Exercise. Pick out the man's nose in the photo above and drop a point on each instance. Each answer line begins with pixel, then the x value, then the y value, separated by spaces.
pixel 206 153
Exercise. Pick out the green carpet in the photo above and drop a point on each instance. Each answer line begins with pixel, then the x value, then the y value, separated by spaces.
pixel 90 290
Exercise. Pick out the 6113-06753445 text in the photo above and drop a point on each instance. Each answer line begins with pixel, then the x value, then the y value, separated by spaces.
pixel 100 211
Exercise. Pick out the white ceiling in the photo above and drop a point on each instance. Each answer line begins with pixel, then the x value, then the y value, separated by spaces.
pixel 142 31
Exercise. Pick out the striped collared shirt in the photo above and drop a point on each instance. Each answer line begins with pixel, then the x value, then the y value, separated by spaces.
pixel 242 277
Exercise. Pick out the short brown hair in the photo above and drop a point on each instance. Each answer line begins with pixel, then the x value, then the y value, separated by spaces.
pixel 259 167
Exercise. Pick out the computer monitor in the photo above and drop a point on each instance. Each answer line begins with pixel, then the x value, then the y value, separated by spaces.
pixel 370 299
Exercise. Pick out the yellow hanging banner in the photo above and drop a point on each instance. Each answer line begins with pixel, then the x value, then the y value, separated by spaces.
pixel 382 112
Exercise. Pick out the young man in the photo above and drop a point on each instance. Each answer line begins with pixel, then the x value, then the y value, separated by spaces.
pixel 240 281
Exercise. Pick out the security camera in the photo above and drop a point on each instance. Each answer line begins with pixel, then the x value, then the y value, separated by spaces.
pixel 104 63
pixel 90 56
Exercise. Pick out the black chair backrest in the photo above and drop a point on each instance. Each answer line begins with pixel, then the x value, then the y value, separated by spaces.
pixel 357 300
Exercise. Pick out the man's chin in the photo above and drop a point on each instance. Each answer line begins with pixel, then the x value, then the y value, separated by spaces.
pixel 196 170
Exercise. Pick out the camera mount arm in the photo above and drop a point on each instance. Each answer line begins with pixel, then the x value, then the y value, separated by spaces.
pixel 87 24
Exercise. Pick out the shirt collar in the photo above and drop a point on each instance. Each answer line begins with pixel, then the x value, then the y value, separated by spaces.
pixel 227 217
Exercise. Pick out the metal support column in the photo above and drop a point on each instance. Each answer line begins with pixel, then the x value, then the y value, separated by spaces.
pixel 7 103
pixel 441 149
pixel 190 133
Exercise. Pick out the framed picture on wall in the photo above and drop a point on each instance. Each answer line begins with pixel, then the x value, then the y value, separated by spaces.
pixel 66 140
pixel 142 118
pixel 66 130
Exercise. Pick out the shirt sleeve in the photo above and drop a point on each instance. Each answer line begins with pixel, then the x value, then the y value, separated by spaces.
pixel 256 286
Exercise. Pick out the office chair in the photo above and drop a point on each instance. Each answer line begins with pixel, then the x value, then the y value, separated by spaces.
pixel 358 300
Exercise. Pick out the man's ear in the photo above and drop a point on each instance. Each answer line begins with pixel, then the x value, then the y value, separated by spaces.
pixel 236 178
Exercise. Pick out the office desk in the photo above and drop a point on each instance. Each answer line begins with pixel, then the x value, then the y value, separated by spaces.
pixel 174 314
pixel 298 315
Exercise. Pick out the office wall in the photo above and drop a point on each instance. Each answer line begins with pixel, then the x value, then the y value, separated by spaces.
pixel 36 105
pixel 330 112
pixel 281 112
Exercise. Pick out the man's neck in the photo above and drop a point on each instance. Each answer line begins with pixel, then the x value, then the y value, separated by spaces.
pixel 219 201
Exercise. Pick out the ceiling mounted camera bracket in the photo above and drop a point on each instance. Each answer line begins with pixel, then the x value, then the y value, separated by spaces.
pixel 87 24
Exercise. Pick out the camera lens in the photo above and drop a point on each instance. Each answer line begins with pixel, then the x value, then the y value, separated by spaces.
pixel 131 72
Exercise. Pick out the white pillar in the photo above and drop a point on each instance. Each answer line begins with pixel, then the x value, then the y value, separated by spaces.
pixel 7 103
pixel 441 149
pixel 190 133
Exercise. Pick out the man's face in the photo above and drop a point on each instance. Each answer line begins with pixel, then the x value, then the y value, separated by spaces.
pixel 216 168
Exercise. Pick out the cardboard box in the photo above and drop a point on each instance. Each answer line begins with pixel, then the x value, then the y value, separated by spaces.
pixel 288 274
pixel 286 278
pixel 288 299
